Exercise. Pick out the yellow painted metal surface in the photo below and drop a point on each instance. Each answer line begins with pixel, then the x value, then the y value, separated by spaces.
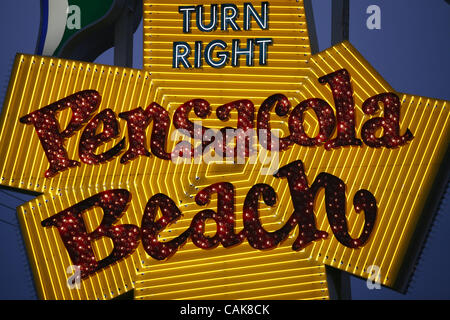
pixel 38 81
pixel 287 56
pixel 240 272
pixel 400 178
pixel 50 261
pixel 124 89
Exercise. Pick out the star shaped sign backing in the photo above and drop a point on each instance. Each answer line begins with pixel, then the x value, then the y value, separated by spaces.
pixel 351 186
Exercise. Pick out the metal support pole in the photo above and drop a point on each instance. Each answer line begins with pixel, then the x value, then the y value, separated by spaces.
pixel 340 12
pixel 313 43
pixel 340 18
pixel 339 286
pixel 123 37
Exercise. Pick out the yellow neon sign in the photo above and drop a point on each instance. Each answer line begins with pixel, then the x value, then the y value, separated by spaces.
pixel 380 154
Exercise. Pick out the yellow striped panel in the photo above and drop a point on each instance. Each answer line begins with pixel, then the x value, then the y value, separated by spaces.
pixel 237 273
pixel 223 273
pixel 240 272
pixel 37 82
pixel 286 64
pixel 401 179
pixel 50 260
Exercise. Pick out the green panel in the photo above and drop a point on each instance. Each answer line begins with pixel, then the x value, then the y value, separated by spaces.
pixel 91 11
